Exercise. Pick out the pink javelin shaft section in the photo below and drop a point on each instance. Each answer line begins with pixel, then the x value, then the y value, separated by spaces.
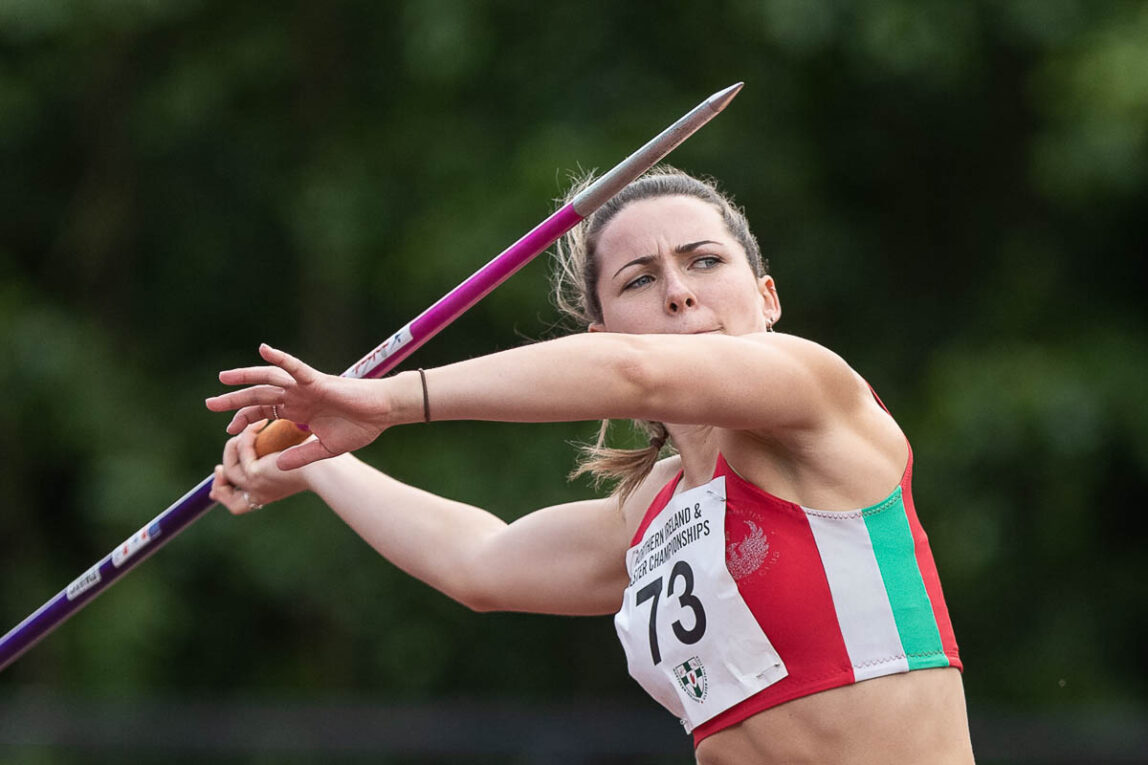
pixel 388 354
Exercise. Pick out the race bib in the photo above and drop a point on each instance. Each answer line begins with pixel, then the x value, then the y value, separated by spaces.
pixel 690 639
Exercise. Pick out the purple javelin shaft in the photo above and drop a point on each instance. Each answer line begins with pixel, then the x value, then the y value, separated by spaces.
pixel 385 357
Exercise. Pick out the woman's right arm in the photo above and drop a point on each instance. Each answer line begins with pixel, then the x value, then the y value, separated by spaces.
pixel 565 559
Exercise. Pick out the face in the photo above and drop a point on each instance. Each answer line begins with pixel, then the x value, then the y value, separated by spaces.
pixel 669 266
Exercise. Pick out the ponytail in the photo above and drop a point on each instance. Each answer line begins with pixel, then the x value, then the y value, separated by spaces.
pixel 629 467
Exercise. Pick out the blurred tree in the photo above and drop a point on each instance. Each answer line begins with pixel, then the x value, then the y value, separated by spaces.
pixel 951 196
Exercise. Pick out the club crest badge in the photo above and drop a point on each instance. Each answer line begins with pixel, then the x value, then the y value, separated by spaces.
pixel 692 677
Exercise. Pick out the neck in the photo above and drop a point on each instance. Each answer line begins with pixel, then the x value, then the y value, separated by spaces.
pixel 697 446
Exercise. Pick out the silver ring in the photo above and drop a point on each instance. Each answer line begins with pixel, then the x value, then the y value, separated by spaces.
pixel 275 411
pixel 251 505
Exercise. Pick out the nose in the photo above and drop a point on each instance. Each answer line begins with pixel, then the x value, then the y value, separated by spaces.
pixel 679 296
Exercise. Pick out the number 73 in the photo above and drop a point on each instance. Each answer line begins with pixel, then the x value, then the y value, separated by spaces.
pixel 653 591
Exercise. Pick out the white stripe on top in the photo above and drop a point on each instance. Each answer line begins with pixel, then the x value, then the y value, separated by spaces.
pixel 859 597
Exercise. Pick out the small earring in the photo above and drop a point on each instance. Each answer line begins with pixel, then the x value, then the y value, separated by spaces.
pixel 768 324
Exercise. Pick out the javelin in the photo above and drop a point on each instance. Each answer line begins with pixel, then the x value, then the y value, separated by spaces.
pixel 165 526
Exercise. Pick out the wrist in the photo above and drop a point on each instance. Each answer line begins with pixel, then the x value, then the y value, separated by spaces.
pixel 314 476
pixel 407 399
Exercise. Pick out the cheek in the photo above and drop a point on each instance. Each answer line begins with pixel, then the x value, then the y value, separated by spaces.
pixel 748 301
pixel 633 314
pixel 617 318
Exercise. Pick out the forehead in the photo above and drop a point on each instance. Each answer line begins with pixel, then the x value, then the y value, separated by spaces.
pixel 646 226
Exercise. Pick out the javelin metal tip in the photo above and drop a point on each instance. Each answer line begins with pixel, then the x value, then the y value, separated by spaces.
pixel 721 99
pixel 596 194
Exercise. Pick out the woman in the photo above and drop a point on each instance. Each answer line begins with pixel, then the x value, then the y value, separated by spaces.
pixel 772 585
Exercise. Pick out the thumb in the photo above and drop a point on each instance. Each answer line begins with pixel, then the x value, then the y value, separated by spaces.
pixel 303 454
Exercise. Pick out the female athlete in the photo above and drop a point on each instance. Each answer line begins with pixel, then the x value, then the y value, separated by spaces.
pixel 770 580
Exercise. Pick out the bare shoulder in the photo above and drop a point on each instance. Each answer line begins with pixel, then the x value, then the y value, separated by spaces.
pixel 838 446
pixel 818 376
pixel 813 356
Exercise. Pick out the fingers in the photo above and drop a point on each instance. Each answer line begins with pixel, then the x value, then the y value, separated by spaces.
pixel 287 369
pixel 264 399
pixel 237 399
pixel 245 445
pixel 231 462
pixel 263 402
pixel 256 376
pixel 237 480
pixel 249 417
pixel 293 366
pixel 224 492
pixel 239 458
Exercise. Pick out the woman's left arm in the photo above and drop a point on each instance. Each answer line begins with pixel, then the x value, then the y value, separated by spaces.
pixel 748 382
pixel 765 381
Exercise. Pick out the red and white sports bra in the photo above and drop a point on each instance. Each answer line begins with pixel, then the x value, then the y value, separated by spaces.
pixel 832 598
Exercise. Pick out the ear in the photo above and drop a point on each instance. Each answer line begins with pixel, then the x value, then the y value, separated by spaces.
pixel 771 303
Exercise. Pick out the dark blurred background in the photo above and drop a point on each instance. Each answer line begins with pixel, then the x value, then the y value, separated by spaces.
pixel 952 196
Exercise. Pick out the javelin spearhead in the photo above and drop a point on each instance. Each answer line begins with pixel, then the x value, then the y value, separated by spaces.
pixel 596 194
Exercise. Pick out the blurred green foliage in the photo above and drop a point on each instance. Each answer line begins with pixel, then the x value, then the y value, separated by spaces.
pixel 952 196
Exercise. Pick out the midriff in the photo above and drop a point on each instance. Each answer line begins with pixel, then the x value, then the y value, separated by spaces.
pixel 903 719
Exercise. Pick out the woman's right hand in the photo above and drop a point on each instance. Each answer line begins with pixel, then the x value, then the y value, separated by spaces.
pixel 246 482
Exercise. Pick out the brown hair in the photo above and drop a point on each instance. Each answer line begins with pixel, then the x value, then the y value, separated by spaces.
pixel 576 295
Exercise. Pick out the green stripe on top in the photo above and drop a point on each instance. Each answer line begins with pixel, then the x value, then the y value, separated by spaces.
pixel 912 610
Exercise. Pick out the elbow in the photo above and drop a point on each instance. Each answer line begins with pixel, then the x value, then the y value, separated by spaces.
pixel 483 607
pixel 478 601
pixel 476 592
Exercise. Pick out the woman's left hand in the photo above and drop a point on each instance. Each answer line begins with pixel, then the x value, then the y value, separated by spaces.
pixel 342 413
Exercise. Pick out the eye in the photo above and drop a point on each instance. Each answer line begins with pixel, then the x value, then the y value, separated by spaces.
pixel 706 262
pixel 641 281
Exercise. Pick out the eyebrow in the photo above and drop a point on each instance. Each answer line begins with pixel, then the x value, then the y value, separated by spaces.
pixel 681 249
